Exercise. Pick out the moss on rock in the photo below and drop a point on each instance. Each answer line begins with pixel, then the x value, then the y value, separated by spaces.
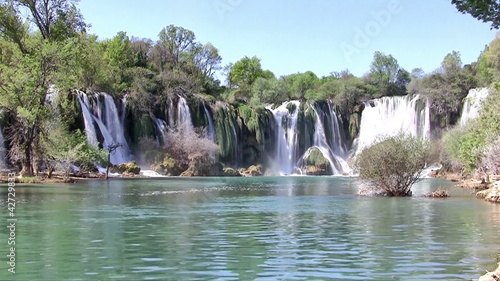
pixel 315 163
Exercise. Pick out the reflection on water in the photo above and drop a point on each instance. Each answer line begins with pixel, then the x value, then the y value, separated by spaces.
pixel 298 228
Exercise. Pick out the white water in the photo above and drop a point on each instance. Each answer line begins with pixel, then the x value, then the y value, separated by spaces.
pixel 161 128
pixel 389 116
pixel 286 142
pixel 330 147
pixel 109 124
pixel 184 121
pixel 472 104
pixel 211 127
pixel 88 119
pixel 150 174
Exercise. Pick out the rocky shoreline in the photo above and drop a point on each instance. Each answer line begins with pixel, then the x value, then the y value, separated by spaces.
pixel 491 276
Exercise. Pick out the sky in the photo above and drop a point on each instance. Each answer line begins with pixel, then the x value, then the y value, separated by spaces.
pixel 292 36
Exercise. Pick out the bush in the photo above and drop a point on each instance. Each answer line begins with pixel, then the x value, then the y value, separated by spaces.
pixel 392 165
pixel 490 162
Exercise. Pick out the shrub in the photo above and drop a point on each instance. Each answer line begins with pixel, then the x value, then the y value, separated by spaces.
pixel 392 165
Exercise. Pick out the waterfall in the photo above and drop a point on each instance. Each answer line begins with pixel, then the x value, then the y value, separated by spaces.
pixel 472 104
pixel 88 119
pixel 211 126
pixel 184 115
pixel 106 116
pixel 286 136
pixel 161 130
pixel 330 145
pixel 389 116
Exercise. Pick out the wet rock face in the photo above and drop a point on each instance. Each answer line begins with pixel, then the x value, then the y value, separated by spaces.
pixel 126 168
pixel 315 163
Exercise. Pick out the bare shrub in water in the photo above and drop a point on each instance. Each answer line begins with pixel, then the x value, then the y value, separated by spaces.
pixel 392 165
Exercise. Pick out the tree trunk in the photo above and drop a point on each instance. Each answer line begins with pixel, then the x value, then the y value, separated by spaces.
pixel 108 164
pixel 27 168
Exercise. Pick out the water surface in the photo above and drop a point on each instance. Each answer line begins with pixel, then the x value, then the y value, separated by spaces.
pixel 287 228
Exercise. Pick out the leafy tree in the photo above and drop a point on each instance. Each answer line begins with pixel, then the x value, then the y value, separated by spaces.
pixel 140 51
pixel 55 19
pixel 24 83
pixel 173 43
pixel 268 91
pixel 245 71
pixel 387 76
pixel 483 10
pixel 65 150
pixel 490 61
pixel 446 88
pixel 301 83
pixel 392 165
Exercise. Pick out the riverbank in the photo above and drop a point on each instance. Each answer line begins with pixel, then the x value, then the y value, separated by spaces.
pixel 491 276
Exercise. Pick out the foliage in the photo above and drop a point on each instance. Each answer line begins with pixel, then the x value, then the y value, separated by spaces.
pixel 24 83
pixel 387 77
pixel 65 150
pixel 483 10
pixel 490 162
pixel 392 165
pixel 445 88
pixel 465 146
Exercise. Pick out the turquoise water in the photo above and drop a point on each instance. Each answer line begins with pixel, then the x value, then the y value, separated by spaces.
pixel 288 228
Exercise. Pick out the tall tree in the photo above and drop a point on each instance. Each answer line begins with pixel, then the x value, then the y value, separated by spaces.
pixel 483 10
pixel 24 84
pixel 55 19
pixel 387 76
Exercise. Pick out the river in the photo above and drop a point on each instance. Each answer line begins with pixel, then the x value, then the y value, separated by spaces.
pixel 283 228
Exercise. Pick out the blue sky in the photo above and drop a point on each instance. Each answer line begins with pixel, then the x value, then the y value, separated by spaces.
pixel 291 36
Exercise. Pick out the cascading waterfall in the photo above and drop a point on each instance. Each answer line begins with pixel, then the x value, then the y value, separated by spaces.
pixel 330 146
pixel 184 115
pixel 211 126
pixel 88 119
pixel 161 128
pixel 106 116
pixel 389 116
pixel 286 136
pixel 472 104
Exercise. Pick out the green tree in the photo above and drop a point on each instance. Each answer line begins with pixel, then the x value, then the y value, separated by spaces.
pixel 387 76
pixel 24 83
pixel 172 45
pixel 64 150
pixel 55 19
pixel 245 71
pixel 392 165
pixel 301 83
pixel 483 10
pixel 268 91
